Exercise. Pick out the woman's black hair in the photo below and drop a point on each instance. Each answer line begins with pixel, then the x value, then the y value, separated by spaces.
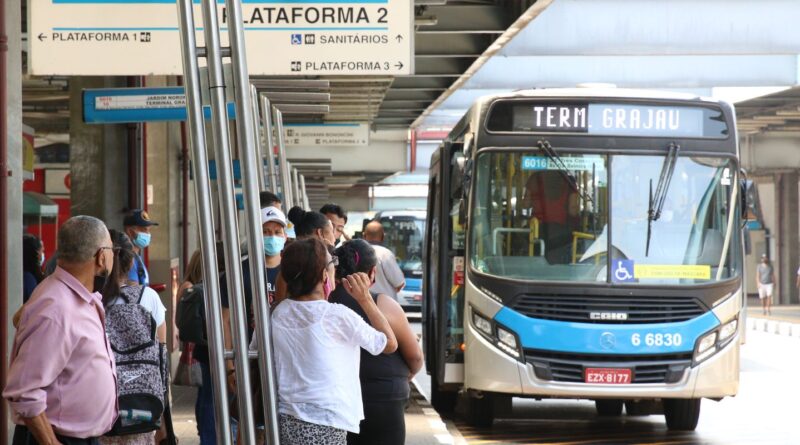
pixel 31 260
pixel 123 261
pixel 303 266
pixel 355 256
pixel 306 223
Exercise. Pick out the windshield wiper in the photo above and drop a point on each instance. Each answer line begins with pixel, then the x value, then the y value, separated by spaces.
pixel 544 146
pixel 656 202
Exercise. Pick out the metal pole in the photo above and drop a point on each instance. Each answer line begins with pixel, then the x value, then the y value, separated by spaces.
pixel 245 124
pixel 259 145
pixel 197 140
pixel 284 166
pixel 228 212
pixel 4 173
pixel 266 117
pixel 303 192
pixel 298 198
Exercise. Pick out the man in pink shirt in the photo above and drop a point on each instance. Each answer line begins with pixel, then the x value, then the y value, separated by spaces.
pixel 61 383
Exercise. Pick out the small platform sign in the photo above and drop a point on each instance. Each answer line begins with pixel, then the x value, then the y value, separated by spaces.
pixel 334 134
pixel 291 37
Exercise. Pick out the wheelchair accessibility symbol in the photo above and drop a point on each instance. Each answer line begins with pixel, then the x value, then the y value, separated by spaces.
pixel 623 271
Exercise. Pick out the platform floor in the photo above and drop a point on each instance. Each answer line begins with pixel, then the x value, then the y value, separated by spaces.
pixel 423 424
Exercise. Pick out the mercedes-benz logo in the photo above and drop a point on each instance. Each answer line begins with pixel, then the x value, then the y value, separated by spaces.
pixel 608 340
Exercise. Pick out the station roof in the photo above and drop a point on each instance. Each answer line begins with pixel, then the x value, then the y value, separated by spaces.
pixel 695 46
pixel 774 112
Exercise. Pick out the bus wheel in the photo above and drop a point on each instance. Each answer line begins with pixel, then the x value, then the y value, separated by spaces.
pixel 480 411
pixel 608 408
pixel 682 414
pixel 442 401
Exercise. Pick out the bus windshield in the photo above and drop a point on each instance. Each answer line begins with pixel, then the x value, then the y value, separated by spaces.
pixel 403 236
pixel 541 218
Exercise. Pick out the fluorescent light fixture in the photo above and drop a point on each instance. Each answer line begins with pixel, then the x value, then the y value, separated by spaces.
pixel 296 96
pixel 426 20
pixel 290 83
pixel 303 108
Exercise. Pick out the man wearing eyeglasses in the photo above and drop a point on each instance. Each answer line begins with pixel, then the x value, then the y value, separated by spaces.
pixel 61 383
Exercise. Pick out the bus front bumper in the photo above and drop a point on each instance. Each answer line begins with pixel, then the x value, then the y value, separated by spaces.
pixel 491 369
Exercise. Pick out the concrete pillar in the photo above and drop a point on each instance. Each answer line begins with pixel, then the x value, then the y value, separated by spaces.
pixel 98 158
pixel 13 116
pixel 788 236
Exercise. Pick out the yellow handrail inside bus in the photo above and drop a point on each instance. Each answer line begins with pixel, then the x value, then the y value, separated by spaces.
pixel 534 235
pixel 579 236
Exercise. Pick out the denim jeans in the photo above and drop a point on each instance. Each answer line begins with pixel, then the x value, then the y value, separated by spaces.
pixel 204 409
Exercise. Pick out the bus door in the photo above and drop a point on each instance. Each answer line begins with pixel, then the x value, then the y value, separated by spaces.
pixel 444 284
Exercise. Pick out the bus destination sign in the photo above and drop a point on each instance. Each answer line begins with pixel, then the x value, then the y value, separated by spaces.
pixel 612 119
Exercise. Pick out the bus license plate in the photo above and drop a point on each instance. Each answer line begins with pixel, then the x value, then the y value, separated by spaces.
pixel 612 376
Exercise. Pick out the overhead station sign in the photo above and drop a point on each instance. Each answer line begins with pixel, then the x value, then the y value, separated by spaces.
pixel 284 37
pixel 328 134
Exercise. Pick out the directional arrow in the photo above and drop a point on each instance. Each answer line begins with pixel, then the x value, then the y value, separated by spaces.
pixel 399 65
pixel 42 37
pixel 399 38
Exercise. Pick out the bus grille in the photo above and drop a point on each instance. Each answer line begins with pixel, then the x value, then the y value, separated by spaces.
pixel 605 309
pixel 561 367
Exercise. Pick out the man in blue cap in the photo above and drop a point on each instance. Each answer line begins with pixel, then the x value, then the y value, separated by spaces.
pixel 137 224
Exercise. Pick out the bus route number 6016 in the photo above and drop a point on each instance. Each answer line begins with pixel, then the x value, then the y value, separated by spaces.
pixel 653 339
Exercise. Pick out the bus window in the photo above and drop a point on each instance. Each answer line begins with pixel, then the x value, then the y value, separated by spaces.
pixel 686 241
pixel 535 218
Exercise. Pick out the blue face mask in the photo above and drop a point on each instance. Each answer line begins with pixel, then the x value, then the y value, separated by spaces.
pixel 41 260
pixel 273 245
pixel 142 240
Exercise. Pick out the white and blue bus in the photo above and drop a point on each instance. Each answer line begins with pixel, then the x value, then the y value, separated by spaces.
pixel 404 231
pixel 586 244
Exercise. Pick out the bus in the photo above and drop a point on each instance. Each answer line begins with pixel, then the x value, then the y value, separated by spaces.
pixel 404 231
pixel 585 244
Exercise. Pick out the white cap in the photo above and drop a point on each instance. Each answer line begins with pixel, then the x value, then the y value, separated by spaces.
pixel 273 214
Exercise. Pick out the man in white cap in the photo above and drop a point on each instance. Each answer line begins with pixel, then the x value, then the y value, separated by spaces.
pixel 273 228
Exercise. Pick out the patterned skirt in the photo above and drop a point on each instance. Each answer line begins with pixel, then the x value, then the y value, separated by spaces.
pixel 294 431
pixel 133 439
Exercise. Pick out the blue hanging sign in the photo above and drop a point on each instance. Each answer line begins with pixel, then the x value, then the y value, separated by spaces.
pixel 135 105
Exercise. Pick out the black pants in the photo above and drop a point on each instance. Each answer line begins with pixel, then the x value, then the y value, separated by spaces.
pixel 384 424
pixel 24 437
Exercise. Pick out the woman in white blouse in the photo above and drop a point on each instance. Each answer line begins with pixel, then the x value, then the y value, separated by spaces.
pixel 318 348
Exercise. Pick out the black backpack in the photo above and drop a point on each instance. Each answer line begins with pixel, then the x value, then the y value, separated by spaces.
pixel 142 374
pixel 190 316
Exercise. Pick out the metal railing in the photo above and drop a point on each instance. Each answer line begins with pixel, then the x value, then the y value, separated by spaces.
pixel 252 158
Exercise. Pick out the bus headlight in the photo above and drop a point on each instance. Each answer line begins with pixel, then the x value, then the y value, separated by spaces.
pixel 482 324
pixel 728 330
pixel 501 337
pixel 706 347
pixel 714 341
pixel 507 338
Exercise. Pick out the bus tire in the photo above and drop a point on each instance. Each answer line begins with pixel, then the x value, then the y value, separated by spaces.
pixel 682 414
pixel 442 401
pixel 608 408
pixel 480 411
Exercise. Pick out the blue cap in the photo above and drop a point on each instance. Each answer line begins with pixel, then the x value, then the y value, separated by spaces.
pixel 138 218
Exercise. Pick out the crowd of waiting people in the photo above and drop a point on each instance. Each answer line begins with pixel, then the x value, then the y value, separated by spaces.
pixel 89 365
